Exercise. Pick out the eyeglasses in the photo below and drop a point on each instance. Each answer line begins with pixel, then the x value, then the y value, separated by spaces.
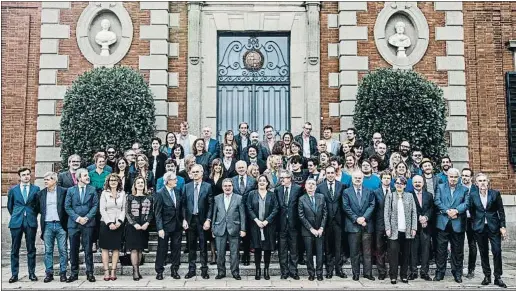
pixel 76 161
pixel 195 172
pixel 399 183
pixel 110 152
pixel 417 155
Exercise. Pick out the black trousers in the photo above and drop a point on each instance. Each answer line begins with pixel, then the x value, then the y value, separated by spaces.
pixel 483 238
pixel 174 238
pixel 402 244
pixel 360 241
pixel 472 245
pixel 288 251
pixel 82 235
pixel 30 243
pixel 456 240
pixel 197 235
pixel 420 250
pixel 380 240
pixel 310 243
pixel 333 247
pixel 258 258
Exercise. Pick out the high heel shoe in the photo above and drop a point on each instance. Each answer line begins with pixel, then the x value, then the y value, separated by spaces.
pixel 106 275
pixel 113 277
pixel 135 274
pixel 258 273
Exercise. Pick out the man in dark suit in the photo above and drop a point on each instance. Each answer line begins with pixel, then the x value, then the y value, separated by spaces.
pixel 332 191
pixel 288 194
pixel 197 212
pixel 242 138
pixel 68 179
pixel 358 204
pixel 420 246
pixel 22 203
pixel 229 223
pixel 53 220
pixel 252 158
pixel 268 142
pixel 168 211
pixel 452 201
pixel 228 161
pixel 488 214
pixel 307 141
pixel 81 205
pixel 467 181
pixel 242 185
pixel 312 215
pixel 255 141
pixel 430 185
pixel 380 239
pixel 212 145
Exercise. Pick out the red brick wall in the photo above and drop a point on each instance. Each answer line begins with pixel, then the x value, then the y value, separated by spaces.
pixel 20 65
pixel 487 28
pixel 328 65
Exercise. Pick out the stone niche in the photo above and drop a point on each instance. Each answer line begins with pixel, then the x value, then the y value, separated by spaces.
pixel 404 48
pixel 104 33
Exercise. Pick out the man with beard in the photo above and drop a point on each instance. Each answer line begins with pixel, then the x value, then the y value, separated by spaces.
pixel 430 183
pixel 254 139
pixel 371 150
pixel 68 178
pixel 381 152
pixel 466 177
pixel 111 156
pixel 415 166
pixel 332 145
pixel 405 152
pixel 252 158
pixel 268 141
pixel 242 138
pixel 446 164
pixel 380 239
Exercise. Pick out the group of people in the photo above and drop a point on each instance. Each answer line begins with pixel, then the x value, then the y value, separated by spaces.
pixel 299 196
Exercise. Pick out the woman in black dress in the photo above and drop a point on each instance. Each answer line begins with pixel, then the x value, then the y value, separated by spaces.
pixel 139 214
pixel 202 157
pixel 216 176
pixel 157 159
pixel 122 170
pixel 142 169
pixel 262 208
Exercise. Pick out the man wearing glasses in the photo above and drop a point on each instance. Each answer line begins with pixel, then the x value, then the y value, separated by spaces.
pixel 415 166
pixel 67 179
pixel 307 141
pixel 111 156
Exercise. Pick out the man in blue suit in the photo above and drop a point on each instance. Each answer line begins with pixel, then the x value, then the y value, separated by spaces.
pixel 22 204
pixel 451 201
pixel 212 145
pixel 81 204
pixel 358 204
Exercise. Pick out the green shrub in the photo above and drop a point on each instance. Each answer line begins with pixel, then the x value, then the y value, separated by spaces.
pixel 106 106
pixel 402 105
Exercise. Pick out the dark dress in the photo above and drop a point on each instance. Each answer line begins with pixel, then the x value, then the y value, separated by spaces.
pixel 150 180
pixel 268 243
pixel 139 210
pixel 216 188
pixel 205 160
pixel 160 167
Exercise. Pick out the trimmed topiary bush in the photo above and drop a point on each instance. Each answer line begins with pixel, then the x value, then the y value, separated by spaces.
pixel 402 105
pixel 106 106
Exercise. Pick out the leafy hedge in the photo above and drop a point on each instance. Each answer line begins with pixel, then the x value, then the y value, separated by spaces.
pixel 402 105
pixel 106 106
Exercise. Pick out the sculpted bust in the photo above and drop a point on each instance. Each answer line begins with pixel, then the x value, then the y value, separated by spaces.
pixel 105 38
pixel 399 39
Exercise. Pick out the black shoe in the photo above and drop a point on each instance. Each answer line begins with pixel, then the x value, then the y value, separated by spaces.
pixel 412 277
pixel 302 262
pixel 175 275
pixel 500 283
pixel 355 277
pixel 471 274
pixel 438 278
pixel 341 274
pixel 258 274
pixel 295 277
pixel 62 278
pixel 458 279
pixel 284 277
pixel 393 281
pixel 381 277
pixel 311 278
pixel 219 276
pixel 329 275
pixel 72 279
pixel 266 275
pixel 426 277
pixel 237 277
pixel 13 279
pixel 190 275
pixel 90 278
pixel 370 277
pixel 159 276
pixel 319 278
pixel 486 281
pixel 48 278
pixel 33 277
pixel 204 275
pixel 404 280
pixel 246 263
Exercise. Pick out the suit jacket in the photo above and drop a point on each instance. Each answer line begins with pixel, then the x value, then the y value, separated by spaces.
pixel 379 198
pixel 76 208
pixel 233 220
pixel 427 209
pixel 214 148
pixel 169 217
pixel 334 147
pixel 311 140
pixel 260 163
pixel 270 214
pixel 250 184
pixel 205 201
pixel 334 205
pixel 444 201
pixel 61 212
pixel 19 209
pixel 238 140
pixel 262 153
pixel 310 217
pixel 494 212
pixel 265 150
pixel 160 168
pixel 354 210
pixel 65 180
pixel 390 214
pixel 231 172
pixel 288 214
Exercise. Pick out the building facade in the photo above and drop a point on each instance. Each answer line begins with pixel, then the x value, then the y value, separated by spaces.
pixel 219 63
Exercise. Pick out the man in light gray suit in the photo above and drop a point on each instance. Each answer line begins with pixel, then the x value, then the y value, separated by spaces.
pixel 332 145
pixel 228 225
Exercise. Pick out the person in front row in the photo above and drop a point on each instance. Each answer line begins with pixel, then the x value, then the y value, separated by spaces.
pixel 22 206
pixel 486 209
pixel 358 204
pixel 229 224
pixel 168 211
pixel 81 204
pixel 53 221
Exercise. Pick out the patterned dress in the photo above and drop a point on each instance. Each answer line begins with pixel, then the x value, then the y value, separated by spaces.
pixel 139 210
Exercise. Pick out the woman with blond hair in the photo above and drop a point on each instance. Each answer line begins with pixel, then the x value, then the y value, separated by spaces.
pixel 350 164
pixel 142 169
pixel 253 171
pixel 274 164
pixel 394 160
pixel 401 170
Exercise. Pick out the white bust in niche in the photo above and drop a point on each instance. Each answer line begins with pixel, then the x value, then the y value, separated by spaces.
pixel 400 40
pixel 105 38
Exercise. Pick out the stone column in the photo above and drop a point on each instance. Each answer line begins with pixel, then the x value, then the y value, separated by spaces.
pixel 194 82
pixel 313 69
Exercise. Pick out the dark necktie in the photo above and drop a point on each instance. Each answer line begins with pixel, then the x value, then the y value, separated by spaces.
pixel 386 192
pixel 359 196
pixel 242 186
pixel 24 192
pixel 81 194
pixel 196 199
pixel 285 196
pixel 331 190
pixel 313 202
pixel 173 196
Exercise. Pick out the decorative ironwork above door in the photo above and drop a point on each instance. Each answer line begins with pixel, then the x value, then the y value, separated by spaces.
pixel 253 59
